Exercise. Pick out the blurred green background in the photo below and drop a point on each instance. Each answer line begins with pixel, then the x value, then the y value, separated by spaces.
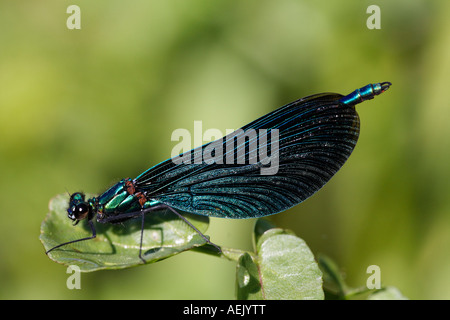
pixel 81 109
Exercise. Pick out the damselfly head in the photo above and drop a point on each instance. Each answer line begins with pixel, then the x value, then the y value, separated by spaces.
pixel 78 208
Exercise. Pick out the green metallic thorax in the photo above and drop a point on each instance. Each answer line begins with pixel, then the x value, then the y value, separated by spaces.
pixel 117 200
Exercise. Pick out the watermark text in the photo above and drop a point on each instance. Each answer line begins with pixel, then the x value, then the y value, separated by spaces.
pixel 246 147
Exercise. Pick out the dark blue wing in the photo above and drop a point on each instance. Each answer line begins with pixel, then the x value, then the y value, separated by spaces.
pixel 316 136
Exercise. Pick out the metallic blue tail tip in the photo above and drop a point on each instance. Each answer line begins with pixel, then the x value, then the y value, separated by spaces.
pixel 365 93
pixel 384 86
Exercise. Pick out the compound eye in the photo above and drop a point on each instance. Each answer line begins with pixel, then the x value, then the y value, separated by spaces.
pixel 81 211
pixel 71 212
pixel 78 212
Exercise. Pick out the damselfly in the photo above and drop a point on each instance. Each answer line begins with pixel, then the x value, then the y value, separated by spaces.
pixel 314 136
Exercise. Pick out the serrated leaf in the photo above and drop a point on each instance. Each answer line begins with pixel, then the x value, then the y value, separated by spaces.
pixel 117 246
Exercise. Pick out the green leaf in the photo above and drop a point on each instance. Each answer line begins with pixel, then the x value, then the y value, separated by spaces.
pixel 336 288
pixel 261 226
pixel 387 293
pixel 117 246
pixel 334 284
pixel 284 268
pixel 247 279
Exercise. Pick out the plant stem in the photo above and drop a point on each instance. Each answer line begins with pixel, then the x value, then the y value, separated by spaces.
pixel 230 254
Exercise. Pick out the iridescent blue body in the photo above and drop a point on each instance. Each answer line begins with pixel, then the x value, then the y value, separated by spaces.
pixel 117 203
pixel 365 93
pixel 317 134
